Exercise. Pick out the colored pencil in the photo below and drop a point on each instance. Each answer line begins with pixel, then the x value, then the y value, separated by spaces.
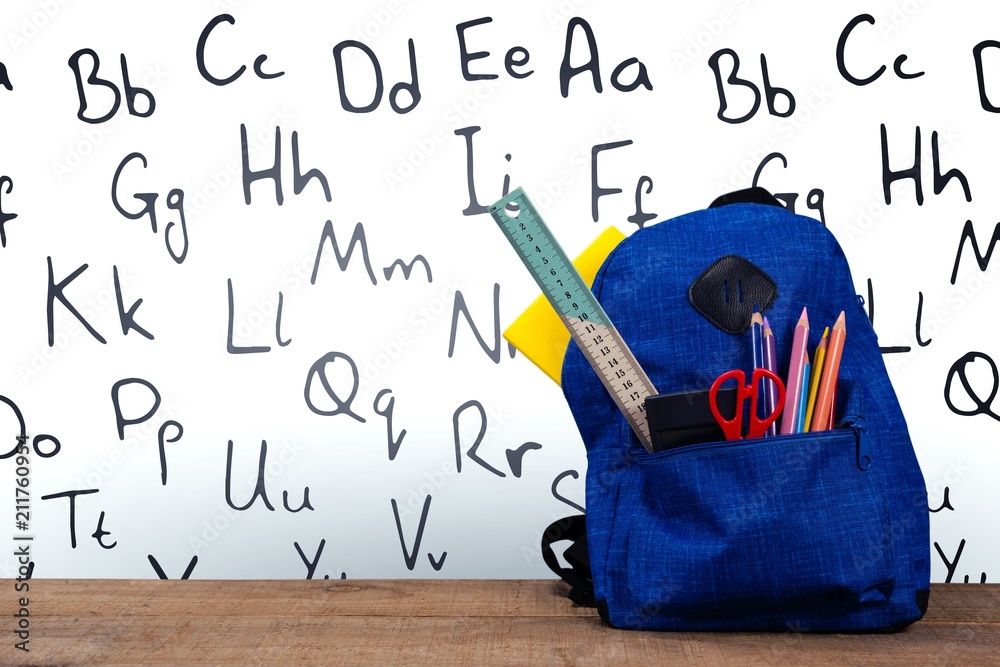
pixel 818 358
pixel 771 364
pixel 828 383
pixel 757 342
pixel 757 338
pixel 796 365
pixel 803 399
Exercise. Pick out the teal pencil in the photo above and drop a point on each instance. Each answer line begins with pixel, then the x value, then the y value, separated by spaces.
pixel 803 399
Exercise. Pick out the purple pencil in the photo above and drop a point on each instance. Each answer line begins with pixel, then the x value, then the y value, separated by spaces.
pixel 796 368
pixel 771 364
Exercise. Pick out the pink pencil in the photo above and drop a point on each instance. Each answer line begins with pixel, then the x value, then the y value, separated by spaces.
pixel 796 368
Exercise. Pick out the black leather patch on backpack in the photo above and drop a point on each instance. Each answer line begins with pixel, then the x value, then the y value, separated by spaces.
pixel 725 293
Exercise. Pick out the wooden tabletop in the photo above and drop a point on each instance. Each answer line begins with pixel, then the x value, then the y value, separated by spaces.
pixel 437 622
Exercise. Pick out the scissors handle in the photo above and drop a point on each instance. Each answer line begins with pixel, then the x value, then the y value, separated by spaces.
pixel 758 427
pixel 733 428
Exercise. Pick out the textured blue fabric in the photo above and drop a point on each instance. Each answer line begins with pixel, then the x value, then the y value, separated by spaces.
pixel 784 533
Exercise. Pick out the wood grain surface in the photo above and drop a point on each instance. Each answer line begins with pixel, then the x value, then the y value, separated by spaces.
pixel 440 622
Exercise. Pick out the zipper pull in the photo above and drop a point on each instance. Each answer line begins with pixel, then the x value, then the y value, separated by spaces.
pixel 857 424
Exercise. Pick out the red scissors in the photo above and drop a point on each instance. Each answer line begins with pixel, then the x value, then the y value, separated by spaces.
pixel 733 428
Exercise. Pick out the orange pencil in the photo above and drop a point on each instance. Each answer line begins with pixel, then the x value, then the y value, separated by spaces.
pixel 828 383
pixel 818 358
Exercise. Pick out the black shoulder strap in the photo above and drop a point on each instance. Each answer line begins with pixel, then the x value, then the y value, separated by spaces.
pixel 578 575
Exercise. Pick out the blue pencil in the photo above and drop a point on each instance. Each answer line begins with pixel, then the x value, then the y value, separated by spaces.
pixel 757 338
pixel 803 399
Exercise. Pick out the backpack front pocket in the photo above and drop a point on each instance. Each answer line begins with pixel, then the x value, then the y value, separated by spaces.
pixel 750 531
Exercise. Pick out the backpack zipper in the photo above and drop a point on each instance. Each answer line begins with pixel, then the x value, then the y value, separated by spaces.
pixel 860 427
pixel 855 423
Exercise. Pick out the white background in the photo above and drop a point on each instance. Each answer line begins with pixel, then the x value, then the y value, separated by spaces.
pixel 403 176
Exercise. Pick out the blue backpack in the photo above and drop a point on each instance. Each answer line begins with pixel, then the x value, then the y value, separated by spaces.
pixel 816 532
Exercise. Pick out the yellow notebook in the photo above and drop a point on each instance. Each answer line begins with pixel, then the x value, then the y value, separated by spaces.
pixel 539 333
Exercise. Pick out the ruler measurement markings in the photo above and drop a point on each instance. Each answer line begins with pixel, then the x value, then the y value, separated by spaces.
pixel 580 311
